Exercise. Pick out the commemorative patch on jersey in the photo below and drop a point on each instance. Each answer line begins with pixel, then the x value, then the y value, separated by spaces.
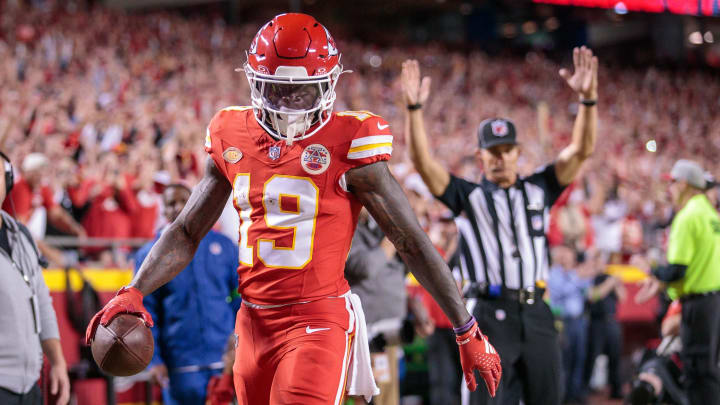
pixel 315 159
pixel 232 155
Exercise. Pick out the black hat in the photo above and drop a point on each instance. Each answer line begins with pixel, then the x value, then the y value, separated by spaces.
pixel 496 131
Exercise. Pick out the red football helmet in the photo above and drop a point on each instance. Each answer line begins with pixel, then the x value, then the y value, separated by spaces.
pixel 293 66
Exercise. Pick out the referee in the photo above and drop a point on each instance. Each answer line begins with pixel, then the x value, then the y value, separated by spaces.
pixel 693 276
pixel 504 235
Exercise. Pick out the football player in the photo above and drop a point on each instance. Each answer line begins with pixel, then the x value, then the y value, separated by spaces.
pixel 299 175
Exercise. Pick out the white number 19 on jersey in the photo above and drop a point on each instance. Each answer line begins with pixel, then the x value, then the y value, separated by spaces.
pixel 302 221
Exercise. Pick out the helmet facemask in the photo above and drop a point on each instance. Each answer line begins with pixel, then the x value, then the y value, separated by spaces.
pixel 291 105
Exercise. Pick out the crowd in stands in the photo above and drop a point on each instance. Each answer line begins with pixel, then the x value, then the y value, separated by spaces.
pixel 99 110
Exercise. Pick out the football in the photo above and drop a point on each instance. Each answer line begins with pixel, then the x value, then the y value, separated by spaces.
pixel 124 347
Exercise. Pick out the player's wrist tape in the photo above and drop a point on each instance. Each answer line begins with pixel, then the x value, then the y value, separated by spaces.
pixel 413 107
pixel 589 102
pixel 462 329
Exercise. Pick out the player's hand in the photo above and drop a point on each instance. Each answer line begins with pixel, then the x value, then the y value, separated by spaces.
pixel 584 80
pixel 414 90
pixel 127 301
pixel 220 390
pixel 476 353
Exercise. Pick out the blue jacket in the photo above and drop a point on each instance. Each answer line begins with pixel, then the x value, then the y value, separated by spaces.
pixel 194 313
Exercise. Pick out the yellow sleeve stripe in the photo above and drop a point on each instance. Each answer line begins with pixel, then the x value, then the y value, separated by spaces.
pixel 373 139
pixel 368 147
pixel 375 151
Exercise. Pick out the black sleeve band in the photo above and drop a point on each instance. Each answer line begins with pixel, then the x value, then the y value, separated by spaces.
pixel 670 272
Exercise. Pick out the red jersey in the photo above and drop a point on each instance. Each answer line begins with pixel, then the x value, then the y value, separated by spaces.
pixel 296 218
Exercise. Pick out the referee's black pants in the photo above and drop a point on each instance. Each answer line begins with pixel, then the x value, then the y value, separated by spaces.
pixel 700 336
pixel 527 341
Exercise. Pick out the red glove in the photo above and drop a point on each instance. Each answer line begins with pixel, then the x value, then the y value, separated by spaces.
pixel 127 301
pixel 476 353
pixel 220 390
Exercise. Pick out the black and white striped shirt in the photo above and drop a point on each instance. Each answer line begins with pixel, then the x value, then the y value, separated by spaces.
pixel 503 231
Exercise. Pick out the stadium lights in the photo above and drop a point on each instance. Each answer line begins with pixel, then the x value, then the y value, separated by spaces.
pixel 651 146
pixel 620 8
pixel 695 38
pixel 708 37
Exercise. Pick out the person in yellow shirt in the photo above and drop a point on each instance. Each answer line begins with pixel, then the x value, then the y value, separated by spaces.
pixel 692 275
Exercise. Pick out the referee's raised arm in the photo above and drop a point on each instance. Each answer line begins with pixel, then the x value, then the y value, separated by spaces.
pixel 584 82
pixel 415 94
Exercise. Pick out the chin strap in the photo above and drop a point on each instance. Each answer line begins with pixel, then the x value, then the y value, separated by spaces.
pixel 293 125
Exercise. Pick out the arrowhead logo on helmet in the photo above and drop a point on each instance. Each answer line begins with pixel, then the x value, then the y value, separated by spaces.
pixel 332 50
pixel 293 66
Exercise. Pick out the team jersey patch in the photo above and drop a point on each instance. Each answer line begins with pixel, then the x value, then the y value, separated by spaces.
pixel 232 155
pixel 369 146
pixel 315 159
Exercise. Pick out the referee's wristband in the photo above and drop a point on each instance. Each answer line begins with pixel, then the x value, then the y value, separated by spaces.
pixel 588 103
pixel 413 107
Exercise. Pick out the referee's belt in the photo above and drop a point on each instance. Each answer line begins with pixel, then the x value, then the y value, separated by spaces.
pixel 693 296
pixel 527 295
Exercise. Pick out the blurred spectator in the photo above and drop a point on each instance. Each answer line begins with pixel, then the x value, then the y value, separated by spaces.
pixel 568 288
pixel 570 220
pixel 32 202
pixel 194 313
pixel 604 332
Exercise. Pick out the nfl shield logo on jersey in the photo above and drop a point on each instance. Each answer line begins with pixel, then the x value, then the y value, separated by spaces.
pixel 315 159
pixel 499 128
pixel 274 152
